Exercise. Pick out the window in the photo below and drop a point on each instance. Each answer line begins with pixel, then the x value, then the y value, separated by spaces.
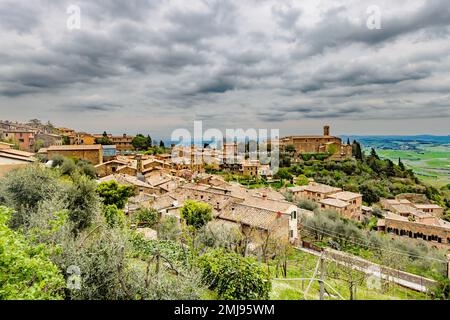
pixel 294 215
pixel 291 233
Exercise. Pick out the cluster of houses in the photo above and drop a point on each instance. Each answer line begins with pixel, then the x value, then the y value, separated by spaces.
pixel 414 217
pixel 166 181
pixel 346 203
pixel 165 186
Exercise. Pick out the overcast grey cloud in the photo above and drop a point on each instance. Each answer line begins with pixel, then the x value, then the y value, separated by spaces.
pixel 153 66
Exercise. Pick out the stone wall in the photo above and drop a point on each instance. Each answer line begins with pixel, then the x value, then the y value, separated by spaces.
pixel 93 156
pixel 418 230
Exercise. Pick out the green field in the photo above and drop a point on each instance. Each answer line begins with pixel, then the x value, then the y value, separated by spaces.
pixel 431 164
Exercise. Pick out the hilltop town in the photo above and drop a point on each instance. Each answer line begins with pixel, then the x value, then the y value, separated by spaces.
pixel 245 196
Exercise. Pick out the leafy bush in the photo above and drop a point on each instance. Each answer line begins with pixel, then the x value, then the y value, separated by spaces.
pixel 22 190
pixel 147 217
pixel 87 169
pixel 68 166
pixel 168 228
pixel 26 272
pixel 234 277
pixel 307 204
pixel 57 160
pixel 83 202
pixel 114 216
pixel 113 193
pixel 196 214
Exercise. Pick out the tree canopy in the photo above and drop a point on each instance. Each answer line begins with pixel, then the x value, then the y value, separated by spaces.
pixel 113 193
pixel 196 214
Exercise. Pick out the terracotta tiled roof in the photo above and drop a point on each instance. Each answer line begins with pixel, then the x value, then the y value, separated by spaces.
pixel 75 147
pixel 322 188
pixel 252 216
pixel 335 203
pixel 345 195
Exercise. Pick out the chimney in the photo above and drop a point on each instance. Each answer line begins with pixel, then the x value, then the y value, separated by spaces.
pixel 124 135
pixel 326 130
pixel 264 196
pixel 139 165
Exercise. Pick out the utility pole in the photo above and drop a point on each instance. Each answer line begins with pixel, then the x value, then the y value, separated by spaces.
pixel 322 275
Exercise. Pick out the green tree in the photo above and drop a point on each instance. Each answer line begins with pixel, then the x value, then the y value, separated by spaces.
pixel 22 190
pixel 234 277
pixel 86 168
pixel 196 214
pixel 65 140
pixel 104 140
pixel 68 166
pixel 283 174
pixel 83 202
pixel 401 165
pixel 114 216
pixel 356 150
pixel 113 193
pixel 38 145
pixel 290 148
pixel 26 271
pixel 373 154
pixel 301 180
pixel 161 144
pixel 149 141
pixel 147 217
pixel 139 142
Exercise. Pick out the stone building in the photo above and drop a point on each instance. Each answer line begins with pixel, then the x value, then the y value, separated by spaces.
pixel 315 191
pixel 24 138
pixel 319 144
pixel 250 168
pixel 418 226
pixel 405 207
pixel 348 204
pixel 84 138
pixel 49 139
pixel 91 153
pixel 123 142
pixel 13 159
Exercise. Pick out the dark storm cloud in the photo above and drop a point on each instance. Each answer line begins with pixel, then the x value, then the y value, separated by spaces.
pixel 18 16
pixel 336 28
pixel 269 61
pixel 91 107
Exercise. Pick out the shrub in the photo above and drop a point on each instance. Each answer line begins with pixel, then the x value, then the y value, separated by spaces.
pixel 147 217
pixel 82 202
pixel 234 277
pixel 114 216
pixel 307 204
pixel 68 166
pixel 22 190
pixel 196 214
pixel 113 193
pixel 168 228
pixel 57 161
pixel 26 272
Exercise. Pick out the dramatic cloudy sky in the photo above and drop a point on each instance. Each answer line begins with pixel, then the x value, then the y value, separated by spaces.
pixel 153 66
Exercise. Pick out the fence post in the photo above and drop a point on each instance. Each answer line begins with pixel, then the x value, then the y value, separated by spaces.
pixel 448 266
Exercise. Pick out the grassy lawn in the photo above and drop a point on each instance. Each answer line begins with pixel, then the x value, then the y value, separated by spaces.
pixel 302 265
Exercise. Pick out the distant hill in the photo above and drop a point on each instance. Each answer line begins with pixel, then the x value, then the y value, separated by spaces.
pixel 397 142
